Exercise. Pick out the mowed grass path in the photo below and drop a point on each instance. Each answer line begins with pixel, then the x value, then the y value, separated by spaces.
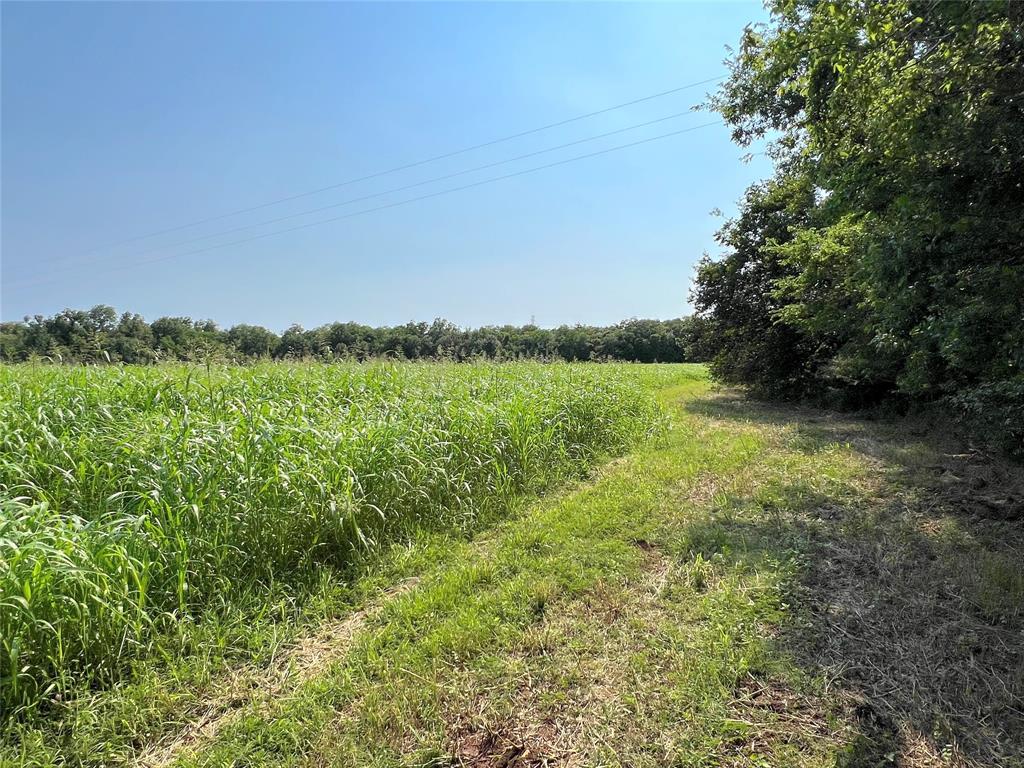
pixel 767 587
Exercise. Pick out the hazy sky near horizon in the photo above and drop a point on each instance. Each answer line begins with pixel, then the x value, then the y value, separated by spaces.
pixel 123 119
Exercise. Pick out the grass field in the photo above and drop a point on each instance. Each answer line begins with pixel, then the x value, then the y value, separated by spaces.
pixel 136 500
pixel 747 586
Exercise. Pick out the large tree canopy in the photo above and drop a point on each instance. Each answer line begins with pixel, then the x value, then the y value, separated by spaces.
pixel 887 255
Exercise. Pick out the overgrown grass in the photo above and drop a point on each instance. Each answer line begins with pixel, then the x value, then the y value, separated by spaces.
pixel 136 502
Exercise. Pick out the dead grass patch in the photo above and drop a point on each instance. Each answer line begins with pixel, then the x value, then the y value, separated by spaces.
pixel 768 717
pixel 912 601
pixel 944 680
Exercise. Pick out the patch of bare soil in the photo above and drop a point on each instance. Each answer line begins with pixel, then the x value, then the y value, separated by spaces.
pixel 251 686
pixel 979 485
pixel 512 745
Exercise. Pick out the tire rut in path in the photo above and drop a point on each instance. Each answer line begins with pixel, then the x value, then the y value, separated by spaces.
pixel 251 686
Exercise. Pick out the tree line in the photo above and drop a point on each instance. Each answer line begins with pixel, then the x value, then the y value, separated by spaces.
pixel 884 260
pixel 100 335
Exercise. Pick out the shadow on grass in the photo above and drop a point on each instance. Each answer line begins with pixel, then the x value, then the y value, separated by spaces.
pixel 924 452
pixel 909 594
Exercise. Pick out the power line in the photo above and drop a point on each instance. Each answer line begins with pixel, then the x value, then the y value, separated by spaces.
pixel 407 166
pixel 396 204
pixel 414 185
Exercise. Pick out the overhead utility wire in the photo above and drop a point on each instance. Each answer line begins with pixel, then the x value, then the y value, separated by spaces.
pixel 393 190
pixel 396 204
pixel 415 164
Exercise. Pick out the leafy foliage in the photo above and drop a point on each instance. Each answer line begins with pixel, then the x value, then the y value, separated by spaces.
pixel 886 257
pixel 97 336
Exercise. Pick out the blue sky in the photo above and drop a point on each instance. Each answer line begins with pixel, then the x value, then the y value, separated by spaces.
pixel 123 119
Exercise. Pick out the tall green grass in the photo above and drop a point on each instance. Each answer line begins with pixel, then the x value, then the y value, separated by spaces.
pixel 135 499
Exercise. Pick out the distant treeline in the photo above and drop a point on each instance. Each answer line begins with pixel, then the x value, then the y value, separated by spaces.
pixel 100 335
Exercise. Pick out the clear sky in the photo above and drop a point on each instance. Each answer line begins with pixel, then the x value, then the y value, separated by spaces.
pixel 123 119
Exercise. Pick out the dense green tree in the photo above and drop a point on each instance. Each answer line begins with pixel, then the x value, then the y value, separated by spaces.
pixel 345 340
pixel 252 341
pixel 12 341
pixel 132 340
pixel 38 338
pixel 905 275
pixel 739 291
pixel 173 337
pixel 295 343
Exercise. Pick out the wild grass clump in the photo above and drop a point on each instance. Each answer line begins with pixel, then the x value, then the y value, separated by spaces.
pixel 135 499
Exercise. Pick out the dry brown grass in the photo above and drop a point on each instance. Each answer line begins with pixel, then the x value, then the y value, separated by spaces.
pixel 913 601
